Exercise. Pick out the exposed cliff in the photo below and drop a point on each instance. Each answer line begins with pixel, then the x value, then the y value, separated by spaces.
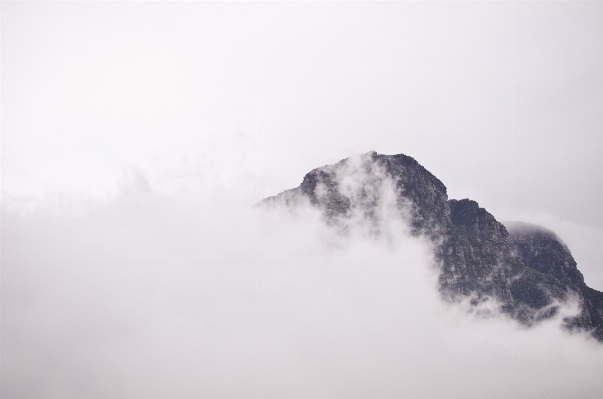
pixel 540 249
pixel 528 273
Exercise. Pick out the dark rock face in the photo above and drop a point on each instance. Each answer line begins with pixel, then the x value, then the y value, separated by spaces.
pixel 477 261
pixel 468 216
pixel 527 270
pixel 540 249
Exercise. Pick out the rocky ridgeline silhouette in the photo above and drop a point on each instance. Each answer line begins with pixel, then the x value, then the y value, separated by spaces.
pixel 524 268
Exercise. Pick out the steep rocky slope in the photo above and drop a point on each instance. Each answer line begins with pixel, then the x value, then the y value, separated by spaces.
pixel 540 249
pixel 529 273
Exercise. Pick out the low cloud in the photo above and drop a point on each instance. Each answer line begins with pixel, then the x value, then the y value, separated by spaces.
pixel 155 298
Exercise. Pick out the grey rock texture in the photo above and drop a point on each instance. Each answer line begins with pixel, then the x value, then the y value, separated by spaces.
pixel 478 261
pixel 524 268
pixel 540 249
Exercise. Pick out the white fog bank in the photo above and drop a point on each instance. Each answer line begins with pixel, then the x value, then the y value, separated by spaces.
pixel 154 299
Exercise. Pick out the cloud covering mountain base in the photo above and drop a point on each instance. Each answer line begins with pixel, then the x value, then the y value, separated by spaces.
pixel 156 299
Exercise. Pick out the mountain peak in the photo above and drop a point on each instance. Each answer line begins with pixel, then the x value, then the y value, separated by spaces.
pixel 524 268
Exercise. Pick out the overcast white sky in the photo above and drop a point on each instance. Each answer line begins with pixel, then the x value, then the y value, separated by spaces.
pixel 231 102
pixel 501 100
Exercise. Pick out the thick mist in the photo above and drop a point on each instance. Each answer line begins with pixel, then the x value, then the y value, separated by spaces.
pixel 155 298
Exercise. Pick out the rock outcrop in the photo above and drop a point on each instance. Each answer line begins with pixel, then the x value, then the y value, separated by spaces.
pixel 540 249
pixel 526 270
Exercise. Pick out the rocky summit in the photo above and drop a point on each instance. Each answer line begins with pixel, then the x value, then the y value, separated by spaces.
pixel 526 270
